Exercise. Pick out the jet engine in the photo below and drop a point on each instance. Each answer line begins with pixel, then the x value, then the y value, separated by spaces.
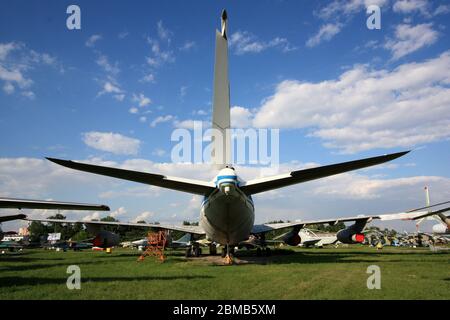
pixel 353 233
pixel 292 238
pixel 106 239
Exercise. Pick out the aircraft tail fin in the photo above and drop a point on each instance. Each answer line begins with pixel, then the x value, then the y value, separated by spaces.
pixel 221 144
pixel 427 196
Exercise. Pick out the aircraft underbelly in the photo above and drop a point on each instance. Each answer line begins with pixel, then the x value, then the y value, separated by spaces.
pixel 227 219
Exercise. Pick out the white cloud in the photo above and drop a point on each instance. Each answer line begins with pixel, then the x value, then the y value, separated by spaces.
pixel 409 6
pixel 138 191
pixel 243 42
pixel 28 94
pixel 161 119
pixel 163 33
pixel 240 117
pixel 123 35
pixel 143 119
pixel 48 59
pixel 112 142
pixel 36 178
pixel 200 112
pixel 141 100
pixel 14 75
pixel 188 124
pixel 118 212
pixel 365 109
pixel 325 33
pixel 183 91
pixel 8 88
pixel 159 57
pixel 159 152
pixel 150 77
pixel 92 40
pixel 356 186
pixel 188 45
pixel 336 15
pixel 119 97
pixel 6 48
pixel 144 216
pixel 109 87
pixel 103 62
pixel 442 9
pixel 346 8
pixel 410 38
pixel 133 110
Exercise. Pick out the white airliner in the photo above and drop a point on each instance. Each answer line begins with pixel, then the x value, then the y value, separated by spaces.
pixel 227 213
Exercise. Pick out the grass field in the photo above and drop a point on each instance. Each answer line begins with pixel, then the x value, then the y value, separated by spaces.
pixel 290 274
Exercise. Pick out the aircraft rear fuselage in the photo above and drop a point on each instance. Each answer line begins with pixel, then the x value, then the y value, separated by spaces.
pixel 227 214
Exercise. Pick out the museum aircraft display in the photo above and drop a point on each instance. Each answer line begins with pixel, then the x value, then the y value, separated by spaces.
pixel 13 203
pixel 227 213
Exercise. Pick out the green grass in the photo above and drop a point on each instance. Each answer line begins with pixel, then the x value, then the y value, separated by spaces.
pixel 290 274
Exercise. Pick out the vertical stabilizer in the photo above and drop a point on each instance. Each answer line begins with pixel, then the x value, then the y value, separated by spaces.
pixel 427 196
pixel 221 153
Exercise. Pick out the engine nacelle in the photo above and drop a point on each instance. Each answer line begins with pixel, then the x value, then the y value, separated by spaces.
pixel 350 235
pixel 292 239
pixel 106 239
pixel 440 228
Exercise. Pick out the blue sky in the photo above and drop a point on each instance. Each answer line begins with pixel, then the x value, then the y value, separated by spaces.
pixel 114 91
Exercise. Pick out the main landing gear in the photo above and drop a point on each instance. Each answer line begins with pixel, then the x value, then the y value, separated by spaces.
pixel 193 250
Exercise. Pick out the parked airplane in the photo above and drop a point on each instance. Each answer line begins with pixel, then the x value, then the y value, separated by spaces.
pixel 443 227
pixel 185 242
pixel 311 239
pixel 13 203
pixel 227 212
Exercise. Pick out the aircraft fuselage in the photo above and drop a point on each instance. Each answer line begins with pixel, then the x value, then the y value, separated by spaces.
pixel 227 214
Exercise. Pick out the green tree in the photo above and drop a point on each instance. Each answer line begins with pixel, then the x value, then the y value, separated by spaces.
pixel 81 235
pixel 37 230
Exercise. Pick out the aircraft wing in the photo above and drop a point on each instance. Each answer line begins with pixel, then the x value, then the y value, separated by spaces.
pixel 180 184
pixel 12 217
pixel 188 229
pixel 299 176
pixel 42 204
pixel 263 228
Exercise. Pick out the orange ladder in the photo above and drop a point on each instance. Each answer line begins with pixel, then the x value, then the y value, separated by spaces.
pixel 156 243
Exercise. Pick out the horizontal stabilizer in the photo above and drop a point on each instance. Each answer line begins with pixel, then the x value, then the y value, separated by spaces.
pixel 299 176
pixel 180 184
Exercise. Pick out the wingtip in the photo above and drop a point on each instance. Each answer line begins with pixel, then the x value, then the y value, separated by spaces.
pixel 400 154
pixel 224 14
pixel 58 161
